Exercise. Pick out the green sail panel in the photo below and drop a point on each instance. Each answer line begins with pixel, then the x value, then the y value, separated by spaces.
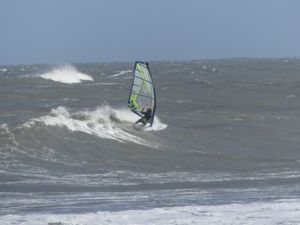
pixel 142 93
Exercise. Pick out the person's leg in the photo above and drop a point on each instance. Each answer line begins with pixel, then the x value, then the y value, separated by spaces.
pixel 144 121
pixel 140 120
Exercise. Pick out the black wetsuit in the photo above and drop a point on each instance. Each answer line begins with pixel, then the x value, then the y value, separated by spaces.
pixel 147 117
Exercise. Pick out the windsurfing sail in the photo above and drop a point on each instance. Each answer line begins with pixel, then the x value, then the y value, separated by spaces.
pixel 142 93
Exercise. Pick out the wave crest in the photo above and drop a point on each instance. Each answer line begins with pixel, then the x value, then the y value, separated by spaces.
pixel 66 74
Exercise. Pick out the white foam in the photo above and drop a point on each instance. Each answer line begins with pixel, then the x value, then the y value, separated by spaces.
pixel 291 96
pixel 104 122
pixel 156 126
pixel 7 135
pixel 66 74
pixel 201 81
pixel 126 115
pixel 121 73
pixel 276 212
pixel 181 101
pixel 3 69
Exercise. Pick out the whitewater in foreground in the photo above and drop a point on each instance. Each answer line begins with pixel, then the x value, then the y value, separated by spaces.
pixel 287 212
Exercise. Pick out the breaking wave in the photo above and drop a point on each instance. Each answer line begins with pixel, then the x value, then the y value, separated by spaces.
pixel 104 122
pixel 66 74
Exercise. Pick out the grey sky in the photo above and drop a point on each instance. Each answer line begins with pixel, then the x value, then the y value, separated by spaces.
pixel 62 31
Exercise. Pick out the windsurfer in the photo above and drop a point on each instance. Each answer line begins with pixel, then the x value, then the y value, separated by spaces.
pixel 146 118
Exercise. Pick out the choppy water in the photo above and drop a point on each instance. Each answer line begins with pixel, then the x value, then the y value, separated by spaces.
pixel 224 146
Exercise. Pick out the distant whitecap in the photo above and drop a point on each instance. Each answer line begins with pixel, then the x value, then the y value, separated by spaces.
pixel 66 74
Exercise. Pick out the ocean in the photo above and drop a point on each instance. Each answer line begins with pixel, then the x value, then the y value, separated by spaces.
pixel 224 147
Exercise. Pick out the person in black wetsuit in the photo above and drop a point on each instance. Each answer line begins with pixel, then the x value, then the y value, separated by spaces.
pixel 146 118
